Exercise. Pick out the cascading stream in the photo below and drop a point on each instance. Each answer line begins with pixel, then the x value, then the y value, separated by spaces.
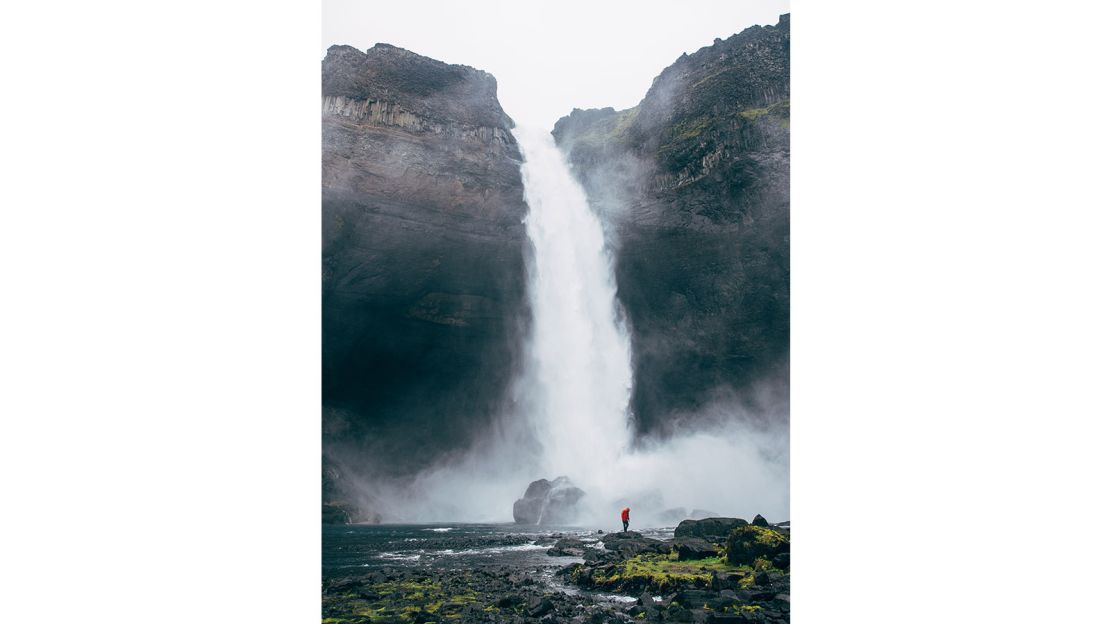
pixel 579 374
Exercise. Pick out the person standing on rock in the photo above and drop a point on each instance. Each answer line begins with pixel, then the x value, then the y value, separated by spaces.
pixel 624 518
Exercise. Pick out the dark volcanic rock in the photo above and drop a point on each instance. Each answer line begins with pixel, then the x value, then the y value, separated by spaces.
pixel 694 184
pixel 708 528
pixel 746 543
pixel 423 256
pixel 630 543
pixel 568 547
pixel 336 514
pixel 693 548
pixel 548 502
pixel 759 521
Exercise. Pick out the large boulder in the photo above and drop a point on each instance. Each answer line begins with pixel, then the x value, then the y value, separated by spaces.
pixel 548 502
pixel 631 543
pixel 713 529
pixel 747 543
pixel 693 548
pixel 568 547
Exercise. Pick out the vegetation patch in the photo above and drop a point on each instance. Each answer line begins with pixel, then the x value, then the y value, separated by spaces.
pixel 662 573
pixel 749 545
pixel 398 601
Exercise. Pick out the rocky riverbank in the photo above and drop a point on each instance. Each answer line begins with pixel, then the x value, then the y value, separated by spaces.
pixel 711 570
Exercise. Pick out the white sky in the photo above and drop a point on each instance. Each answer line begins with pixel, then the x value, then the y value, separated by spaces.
pixel 549 57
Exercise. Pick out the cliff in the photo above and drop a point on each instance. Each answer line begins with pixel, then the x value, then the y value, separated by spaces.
pixel 693 184
pixel 423 262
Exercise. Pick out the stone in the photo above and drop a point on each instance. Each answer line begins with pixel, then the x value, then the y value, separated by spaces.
pixel 568 547
pixel 678 613
pixel 540 606
pixel 548 502
pixel 759 521
pixel 708 528
pixel 693 548
pixel 694 598
pixel 747 543
pixel 781 561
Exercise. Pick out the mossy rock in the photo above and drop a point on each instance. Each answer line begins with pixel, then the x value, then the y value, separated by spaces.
pixel 748 543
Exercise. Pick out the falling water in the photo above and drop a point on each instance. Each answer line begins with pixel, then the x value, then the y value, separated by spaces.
pixel 579 375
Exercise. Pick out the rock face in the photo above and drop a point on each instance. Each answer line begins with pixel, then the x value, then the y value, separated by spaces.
pixel 423 256
pixel 548 502
pixel 694 186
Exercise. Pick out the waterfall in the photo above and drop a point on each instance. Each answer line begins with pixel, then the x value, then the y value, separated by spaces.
pixel 578 376
pixel 574 391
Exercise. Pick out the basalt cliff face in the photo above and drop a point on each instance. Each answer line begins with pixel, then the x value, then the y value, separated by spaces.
pixel 693 184
pixel 423 264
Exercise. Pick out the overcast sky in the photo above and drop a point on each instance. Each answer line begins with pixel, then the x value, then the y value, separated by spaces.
pixel 549 57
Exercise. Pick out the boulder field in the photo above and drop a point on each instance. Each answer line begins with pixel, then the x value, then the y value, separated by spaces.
pixel 741 577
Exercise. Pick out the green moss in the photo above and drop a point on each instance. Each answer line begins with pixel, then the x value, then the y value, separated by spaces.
pixel 748 544
pixel 403 601
pixel 741 609
pixel 609 131
pixel 754 113
pixel 663 573
pixel 689 129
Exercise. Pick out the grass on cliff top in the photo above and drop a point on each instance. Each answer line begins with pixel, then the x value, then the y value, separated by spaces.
pixel 610 131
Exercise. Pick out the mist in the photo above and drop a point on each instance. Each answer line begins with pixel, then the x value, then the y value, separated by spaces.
pixel 568 413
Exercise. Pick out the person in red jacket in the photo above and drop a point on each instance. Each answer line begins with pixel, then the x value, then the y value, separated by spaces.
pixel 624 517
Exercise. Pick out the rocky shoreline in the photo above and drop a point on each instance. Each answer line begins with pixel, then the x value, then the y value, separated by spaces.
pixel 712 570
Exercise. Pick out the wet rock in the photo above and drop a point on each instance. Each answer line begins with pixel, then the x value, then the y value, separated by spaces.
pixel 693 548
pixel 540 606
pixel 747 543
pixel 677 613
pixel 781 561
pixel 708 528
pixel 548 502
pixel 621 535
pixel 721 618
pixel 761 578
pixel 568 547
pixel 692 598
pixel 631 546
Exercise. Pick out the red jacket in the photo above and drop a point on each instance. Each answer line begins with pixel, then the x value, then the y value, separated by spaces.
pixel 624 515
